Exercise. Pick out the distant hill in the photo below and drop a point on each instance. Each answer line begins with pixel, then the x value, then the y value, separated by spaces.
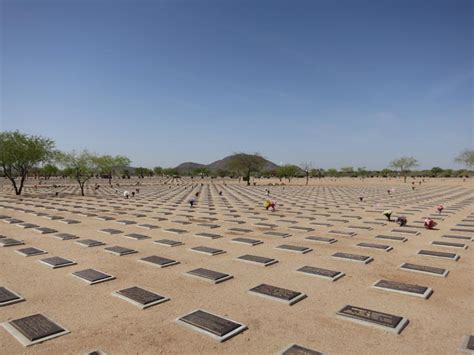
pixel 222 164
pixel 188 167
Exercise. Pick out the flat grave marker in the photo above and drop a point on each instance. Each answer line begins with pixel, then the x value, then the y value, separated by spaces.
pixel 211 276
pixel 209 225
pixel 449 245
pixel 385 248
pixel 303 229
pixel 89 243
pixel 9 242
pixel 461 237
pixel 105 218
pixel 438 254
pixel 120 251
pixel 69 221
pixel 322 224
pixel 159 261
pixel 294 248
pixel 467 344
pixel 217 327
pixel 126 222
pixel 360 227
pixel 322 240
pixel 247 241
pixel 56 262
pixel 278 294
pixel 136 236
pixel 175 230
pixel 257 260
pixel 277 234
pixel 463 230
pixel 430 270
pixel 184 223
pixel 92 277
pixel 7 297
pixel 111 231
pixel 140 297
pixel 403 288
pixel 406 231
pixel 34 329
pixel 95 352
pixel 45 230
pixel 53 218
pixel 207 250
pixel 12 221
pixel 30 252
pixel 343 233
pixel 208 235
pixel 27 225
pixel 65 236
pixel 295 349
pixel 169 242
pixel 240 230
pixel 321 273
pixel 391 237
pixel 353 257
pixel 148 226
pixel 370 317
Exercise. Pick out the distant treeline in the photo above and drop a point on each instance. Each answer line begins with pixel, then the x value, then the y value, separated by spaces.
pixel 284 172
pixel 23 156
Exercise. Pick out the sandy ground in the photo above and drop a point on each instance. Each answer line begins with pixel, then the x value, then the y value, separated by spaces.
pixel 97 320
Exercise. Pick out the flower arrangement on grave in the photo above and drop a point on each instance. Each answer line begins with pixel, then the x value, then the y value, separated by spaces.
pixel 429 223
pixel 388 214
pixel 402 220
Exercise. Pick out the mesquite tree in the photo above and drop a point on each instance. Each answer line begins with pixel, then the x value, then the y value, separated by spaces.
pixel 81 166
pixel 246 164
pixel 19 153
pixel 404 164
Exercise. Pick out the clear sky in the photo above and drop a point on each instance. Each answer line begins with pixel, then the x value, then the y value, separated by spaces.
pixel 332 82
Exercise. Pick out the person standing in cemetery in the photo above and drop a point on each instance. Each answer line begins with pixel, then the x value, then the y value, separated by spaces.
pixel 192 202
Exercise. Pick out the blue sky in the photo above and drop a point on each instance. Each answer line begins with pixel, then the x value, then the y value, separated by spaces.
pixel 335 83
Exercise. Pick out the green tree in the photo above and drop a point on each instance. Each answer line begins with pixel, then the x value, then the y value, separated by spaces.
pixel 79 165
pixel 170 172
pixel 466 157
pixel 111 165
pixel 386 172
pixel 19 153
pixel 436 171
pixel 332 172
pixel 201 172
pixel 347 171
pixel 362 171
pixel 142 172
pixel 246 164
pixel 48 170
pixel 158 170
pixel 288 171
pixel 223 173
pixel 317 173
pixel 404 164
